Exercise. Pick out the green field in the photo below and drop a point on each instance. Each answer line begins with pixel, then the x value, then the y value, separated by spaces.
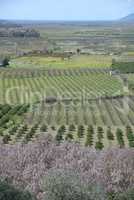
pixel 83 97
pixel 78 90
pixel 24 123
pixel 74 86
pixel 116 112
pixel 91 61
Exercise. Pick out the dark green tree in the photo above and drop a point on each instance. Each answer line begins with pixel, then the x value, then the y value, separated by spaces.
pixel 44 128
pixel 5 62
pixel 100 133
pixel 119 135
pixel 72 127
pixel 89 136
pixel 130 136
pixel 80 132
pixel 60 134
pixel 99 145
pixel 69 137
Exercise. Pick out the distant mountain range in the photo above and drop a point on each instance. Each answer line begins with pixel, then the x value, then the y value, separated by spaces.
pixel 17 23
pixel 129 18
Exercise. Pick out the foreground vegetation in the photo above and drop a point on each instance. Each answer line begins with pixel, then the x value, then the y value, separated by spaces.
pixel 52 171
pixel 9 192
pixel 123 67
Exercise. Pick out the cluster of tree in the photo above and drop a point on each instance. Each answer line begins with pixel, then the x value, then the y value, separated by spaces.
pixel 4 62
pixel 80 132
pixel 7 117
pixel 123 67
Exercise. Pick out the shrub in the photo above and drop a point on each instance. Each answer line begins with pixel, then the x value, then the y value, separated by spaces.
pixel 44 128
pixel 53 128
pixel 72 127
pixel 99 145
pixel 100 133
pixel 124 67
pixel 69 137
pixel 130 136
pixel 62 129
pixel 59 136
pixel 60 133
pixel 6 139
pixel 129 195
pixel 119 135
pixel 8 192
pixel 110 135
pixel 89 136
pixel 68 185
pixel 81 130
pixel 5 62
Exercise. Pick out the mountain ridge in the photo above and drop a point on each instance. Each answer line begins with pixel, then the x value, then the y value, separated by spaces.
pixel 128 18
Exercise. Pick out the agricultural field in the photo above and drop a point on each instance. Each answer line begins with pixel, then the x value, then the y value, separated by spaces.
pixel 70 84
pixel 115 112
pixel 129 82
pixel 100 124
pixel 103 38
pixel 81 103
pixel 124 67
pixel 66 100
pixel 67 103
pixel 75 98
pixel 91 61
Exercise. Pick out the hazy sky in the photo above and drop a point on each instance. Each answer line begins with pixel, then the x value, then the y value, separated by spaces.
pixel 65 9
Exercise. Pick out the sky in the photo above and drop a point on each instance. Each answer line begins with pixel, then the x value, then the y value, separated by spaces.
pixel 65 9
